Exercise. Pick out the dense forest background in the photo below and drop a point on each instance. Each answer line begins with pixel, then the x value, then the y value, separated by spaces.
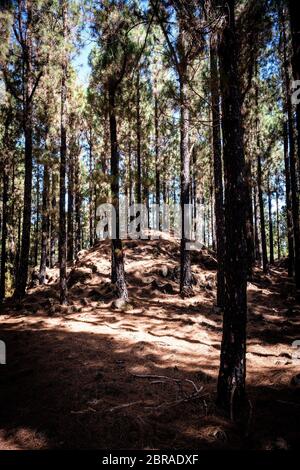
pixel 176 103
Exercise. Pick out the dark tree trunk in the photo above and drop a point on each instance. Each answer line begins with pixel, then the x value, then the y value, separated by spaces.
pixel 289 216
pixel 25 246
pixel 62 242
pixel 70 244
pixel 262 214
pixel 27 127
pixel 271 237
pixel 5 181
pixel 157 159
pixel 231 381
pixel 45 224
pixel 257 240
pixel 78 231
pixel 53 219
pixel 186 288
pixel 17 260
pixel 278 222
pixel 118 271
pixel 91 190
pixel 249 219
pixel 292 147
pixel 138 141
pixel 36 236
pixel 218 172
pixel 295 30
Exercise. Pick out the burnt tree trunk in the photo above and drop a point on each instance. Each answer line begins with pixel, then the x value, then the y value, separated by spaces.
pixel 278 221
pixel 186 288
pixel 157 159
pixel 218 172
pixel 262 214
pixel 78 224
pixel 295 30
pixel 70 244
pixel 256 232
pixel 232 373
pixel 53 218
pixel 118 271
pixel 62 242
pixel 5 182
pixel 36 235
pixel 45 224
pixel 91 189
pixel 291 136
pixel 289 216
pixel 138 141
pixel 271 237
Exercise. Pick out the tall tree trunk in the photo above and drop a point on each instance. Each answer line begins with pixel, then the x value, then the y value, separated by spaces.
pixel 262 213
pixel 78 231
pixel 186 288
pixel 295 30
pixel 218 173
pixel 91 189
pixel 257 240
pixel 289 216
pixel 5 181
pixel 291 136
pixel 70 243
pixel 249 218
pixel 27 126
pixel 18 253
pixel 271 238
pixel 231 380
pixel 36 235
pixel 45 224
pixel 62 243
pixel 118 271
pixel 138 141
pixel 157 158
pixel 130 182
pixel 53 218
pixel 278 221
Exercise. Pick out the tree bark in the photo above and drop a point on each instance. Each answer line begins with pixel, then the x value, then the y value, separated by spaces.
pixel 70 243
pixel 62 243
pixel 45 224
pixel 271 237
pixel 53 218
pixel 257 240
pixel 118 271
pixel 36 235
pixel 5 182
pixel 232 373
pixel 291 136
pixel 262 214
pixel 289 216
pixel 138 141
pixel 157 159
pixel 295 30
pixel 186 288
pixel 91 189
pixel 218 172
pixel 78 231
pixel 278 221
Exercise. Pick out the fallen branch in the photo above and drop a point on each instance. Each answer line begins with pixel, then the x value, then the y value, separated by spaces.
pixel 80 412
pixel 170 404
pixel 125 405
pixel 165 377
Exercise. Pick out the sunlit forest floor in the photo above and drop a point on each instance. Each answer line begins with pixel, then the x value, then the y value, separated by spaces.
pixel 94 374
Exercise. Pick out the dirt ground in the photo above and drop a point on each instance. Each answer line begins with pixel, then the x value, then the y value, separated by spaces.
pixel 97 375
